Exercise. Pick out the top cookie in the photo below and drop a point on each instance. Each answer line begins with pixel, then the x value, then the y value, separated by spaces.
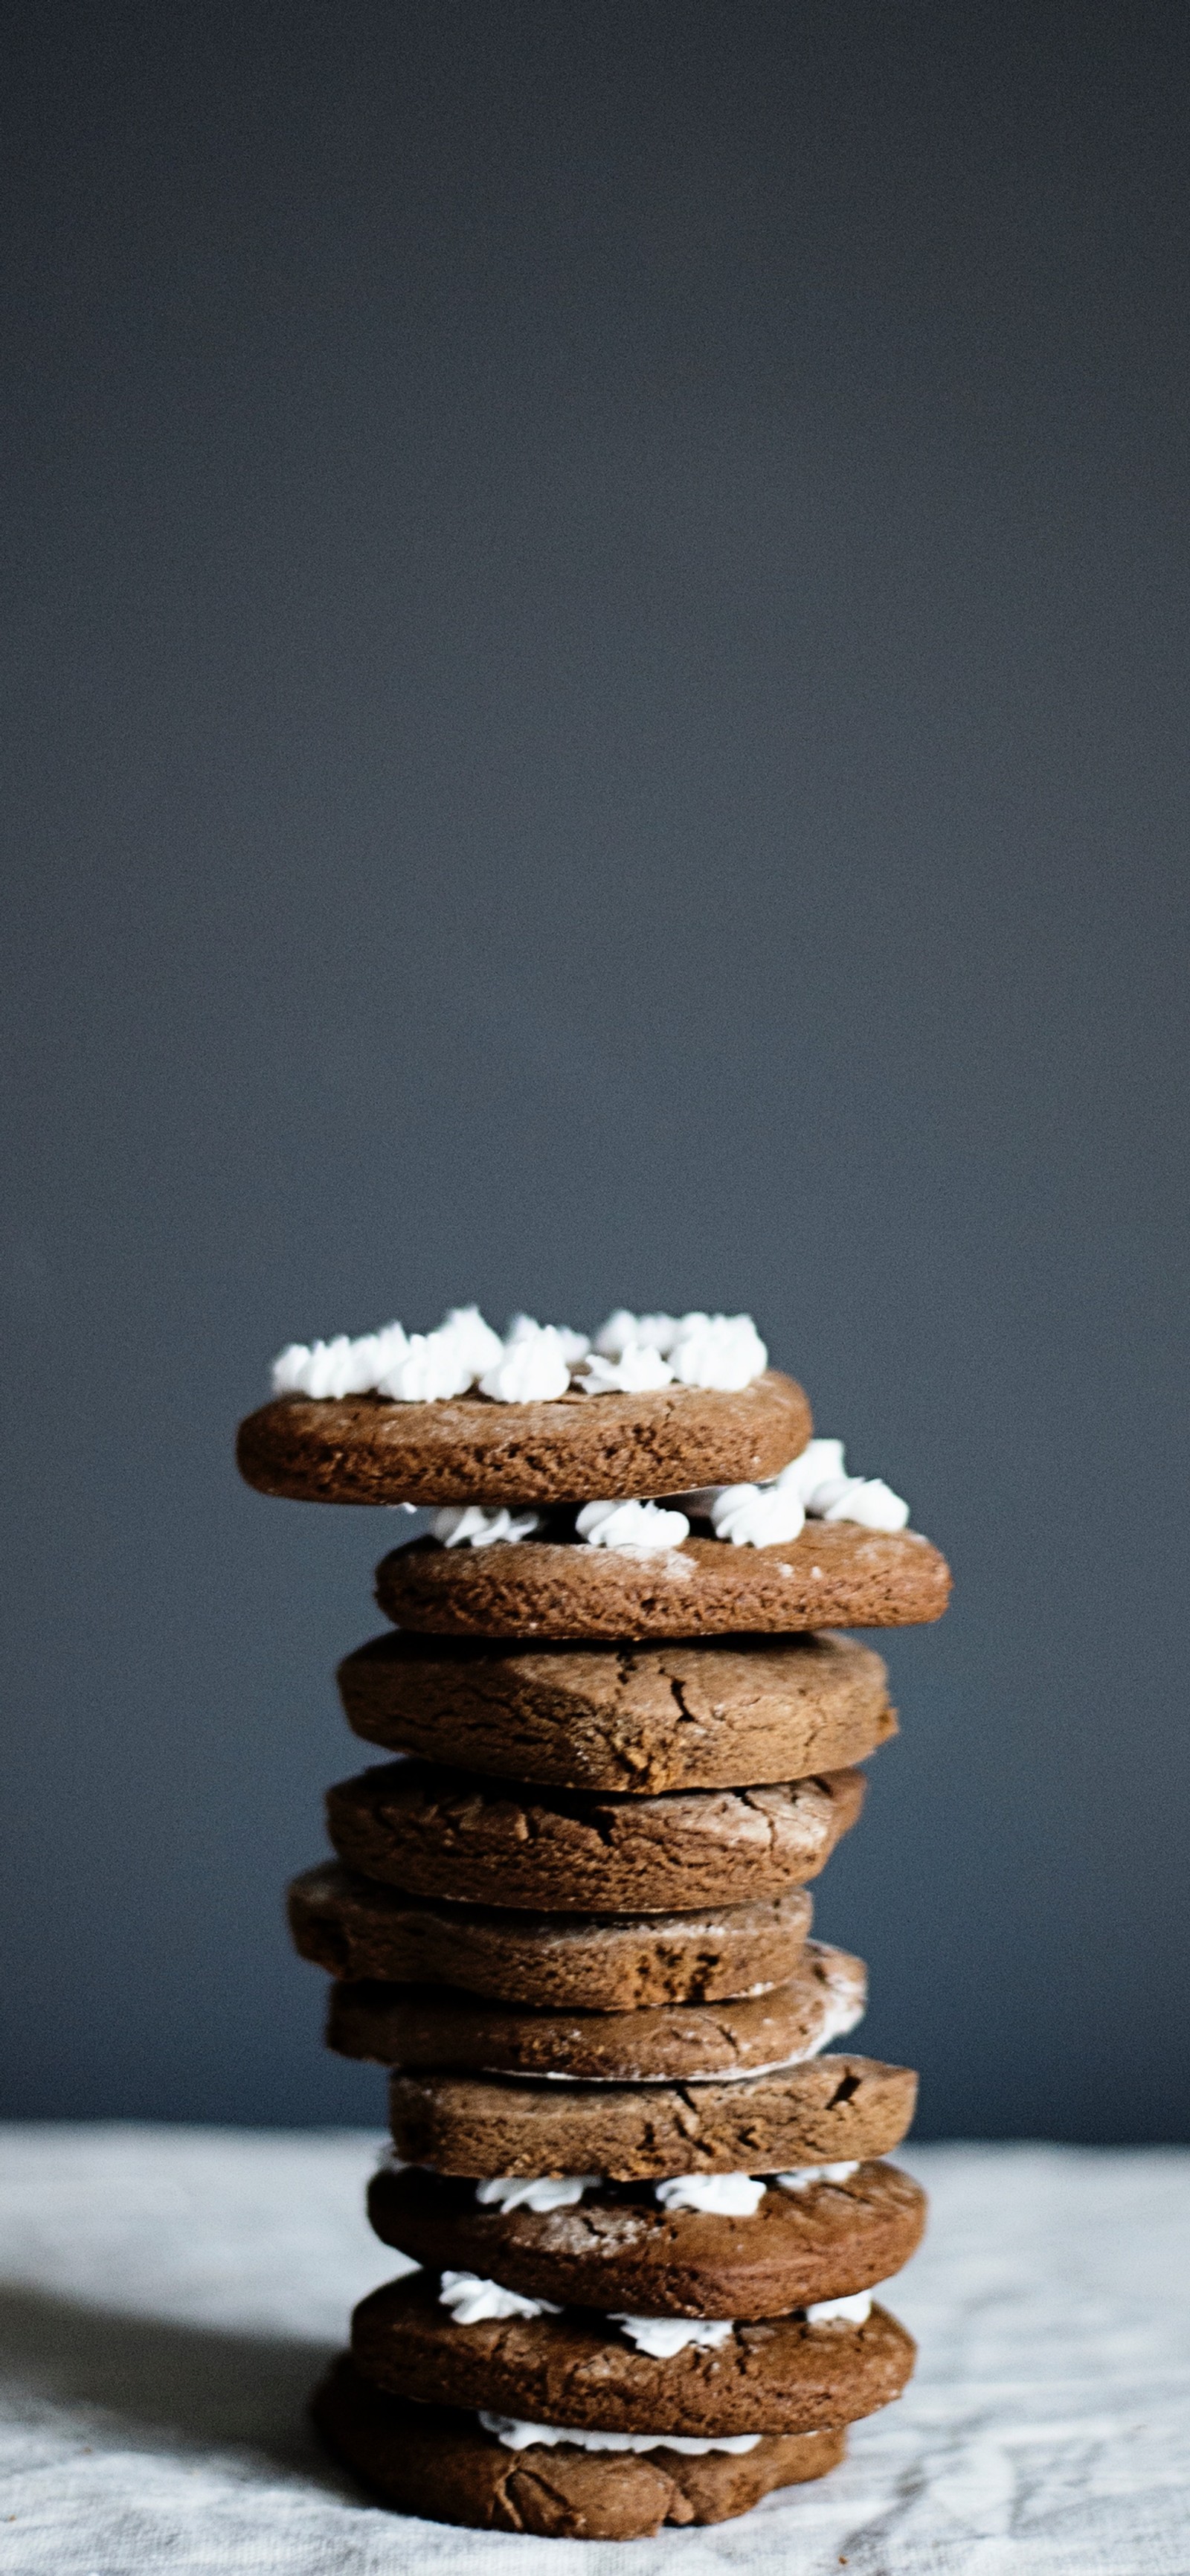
pixel 471 1448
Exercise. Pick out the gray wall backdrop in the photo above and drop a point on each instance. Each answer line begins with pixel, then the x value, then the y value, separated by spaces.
pixel 596 665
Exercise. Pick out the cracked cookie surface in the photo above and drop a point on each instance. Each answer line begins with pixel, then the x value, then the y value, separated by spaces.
pixel 701 1714
pixel 450 1834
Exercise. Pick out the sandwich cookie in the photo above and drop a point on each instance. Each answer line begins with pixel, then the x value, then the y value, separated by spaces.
pixel 781 2375
pixel 447 2467
pixel 824 2234
pixel 638 1718
pixel 415 2026
pixel 825 2111
pixel 835 1574
pixel 361 1930
pixel 470 1448
pixel 445 1833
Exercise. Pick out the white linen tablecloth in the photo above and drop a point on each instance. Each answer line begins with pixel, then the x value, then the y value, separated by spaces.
pixel 167 2297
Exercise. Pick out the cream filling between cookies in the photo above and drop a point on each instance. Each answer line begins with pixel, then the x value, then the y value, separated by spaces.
pixel 854 2311
pixel 729 2195
pixel 539 2192
pixel 840 2014
pixel 472 2299
pixel 632 1528
pixel 662 2337
pixel 722 2195
pixel 517 2436
pixel 767 1515
pixel 813 1484
pixel 469 1525
pixel 696 2075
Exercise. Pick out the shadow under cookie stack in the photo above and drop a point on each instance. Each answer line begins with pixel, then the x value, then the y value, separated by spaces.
pixel 572 1918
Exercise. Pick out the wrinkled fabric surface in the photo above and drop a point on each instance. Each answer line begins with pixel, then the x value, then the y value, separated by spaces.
pixel 167 2296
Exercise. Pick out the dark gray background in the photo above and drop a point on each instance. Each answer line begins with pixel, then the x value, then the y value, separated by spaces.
pixel 596 676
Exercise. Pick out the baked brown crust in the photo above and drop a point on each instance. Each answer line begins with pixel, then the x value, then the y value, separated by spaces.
pixel 421 2026
pixel 440 2463
pixel 359 1929
pixel 779 2375
pixel 700 1714
pixel 618 2250
pixel 835 1575
pixel 828 2111
pixel 467 1449
pixel 450 1834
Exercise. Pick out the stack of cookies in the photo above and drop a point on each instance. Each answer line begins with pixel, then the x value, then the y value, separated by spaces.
pixel 571 1916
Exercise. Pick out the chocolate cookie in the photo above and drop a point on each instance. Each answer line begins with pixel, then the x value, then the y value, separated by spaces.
pixel 450 1834
pixel 701 1715
pixel 441 2464
pixel 836 1575
pixel 779 2376
pixel 421 2026
pixel 825 2111
pixel 618 2249
pixel 557 1962
pixel 469 1449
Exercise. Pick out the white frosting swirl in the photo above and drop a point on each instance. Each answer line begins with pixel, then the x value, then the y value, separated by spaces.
pixel 832 1495
pixel 756 1515
pixel 725 2195
pixel 532 1369
pixel 477 1344
pixel 818 1460
pixel 471 1526
pixel 432 1367
pixel 804 2177
pixel 763 1515
pixel 723 1351
pixel 703 1350
pixel 866 1499
pixel 638 1369
pixel 535 2191
pixel 472 2299
pixel 636 1528
pixel 533 1363
pixel 523 1328
pixel 338 1368
pixel 652 1332
pixel 662 2337
pixel 523 2437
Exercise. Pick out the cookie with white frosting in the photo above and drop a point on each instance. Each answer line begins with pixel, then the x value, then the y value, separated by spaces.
pixel 579 2369
pixel 826 2233
pixel 424 2026
pixel 826 2111
pixel 445 2466
pixel 835 1574
pixel 473 1448
pixel 452 1834
pixel 706 1714
pixel 359 1929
